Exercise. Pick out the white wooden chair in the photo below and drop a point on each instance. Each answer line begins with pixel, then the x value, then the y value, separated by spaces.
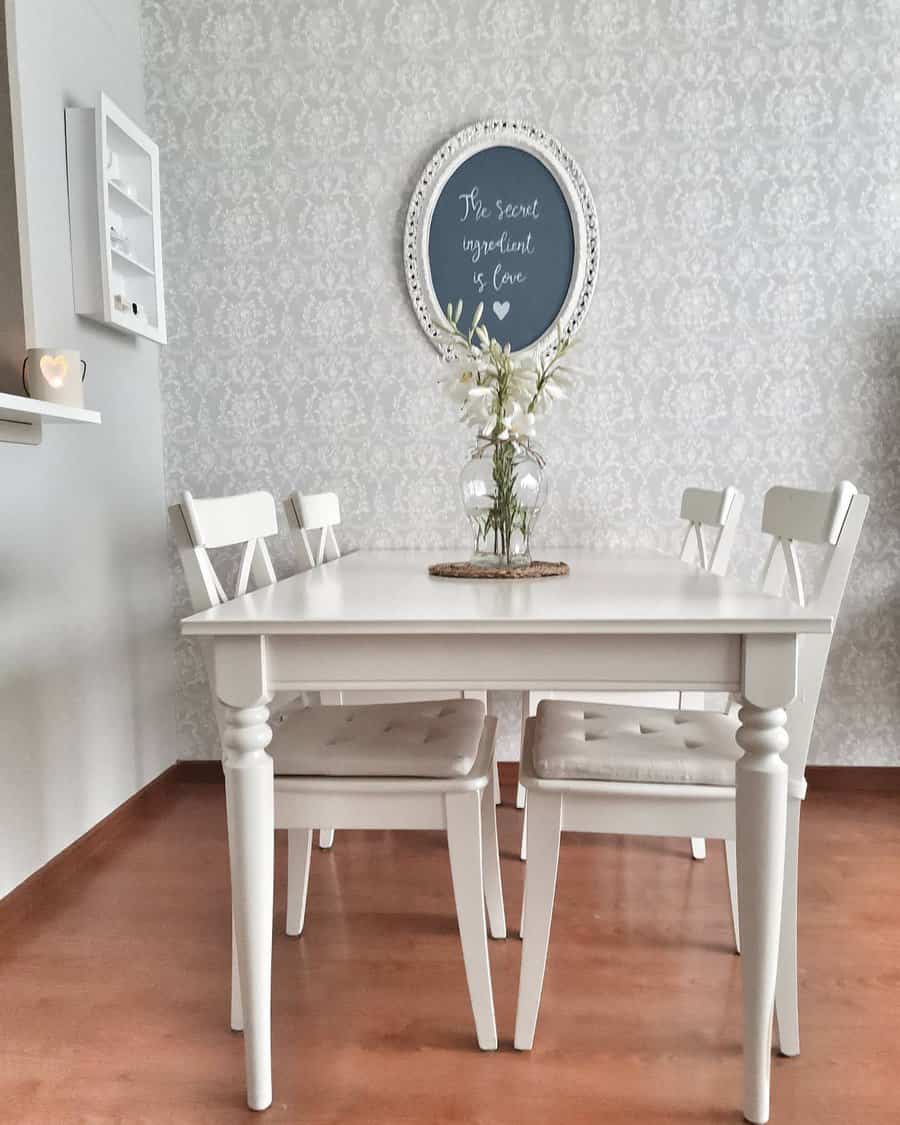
pixel 719 512
pixel 318 514
pixel 658 772
pixel 424 765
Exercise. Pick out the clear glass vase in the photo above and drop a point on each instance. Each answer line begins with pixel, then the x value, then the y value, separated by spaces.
pixel 504 487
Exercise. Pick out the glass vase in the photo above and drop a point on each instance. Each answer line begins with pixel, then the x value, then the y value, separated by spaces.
pixel 504 487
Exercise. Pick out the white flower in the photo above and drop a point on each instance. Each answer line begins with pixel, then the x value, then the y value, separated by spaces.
pixel 458 389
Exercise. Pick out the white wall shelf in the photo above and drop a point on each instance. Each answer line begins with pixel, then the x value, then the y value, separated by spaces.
pixel 21 418
pixel 113 170
pixel 126 262
pixel 120 198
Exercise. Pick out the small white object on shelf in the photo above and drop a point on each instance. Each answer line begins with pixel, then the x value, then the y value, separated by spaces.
pixel 114 216
pixel 21 417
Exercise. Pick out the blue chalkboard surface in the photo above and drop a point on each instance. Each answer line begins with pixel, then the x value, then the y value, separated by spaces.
pixel 501 233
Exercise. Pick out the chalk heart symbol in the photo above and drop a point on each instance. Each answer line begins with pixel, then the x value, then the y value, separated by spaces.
pixel 501 308
pixel 54 368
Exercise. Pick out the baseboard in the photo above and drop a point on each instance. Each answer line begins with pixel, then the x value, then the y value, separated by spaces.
pixel 199 771
pixel 855 779
pixel 151 799
pixel 848 779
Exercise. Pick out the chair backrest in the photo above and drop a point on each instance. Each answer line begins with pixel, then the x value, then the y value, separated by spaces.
pixel 832 520
pixel 721 511
pixel 204 525
pixel 321 512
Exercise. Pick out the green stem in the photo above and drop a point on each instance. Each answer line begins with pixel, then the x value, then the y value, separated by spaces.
pixel 506 510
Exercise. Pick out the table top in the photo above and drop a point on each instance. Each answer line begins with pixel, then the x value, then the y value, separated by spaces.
pixel 392 592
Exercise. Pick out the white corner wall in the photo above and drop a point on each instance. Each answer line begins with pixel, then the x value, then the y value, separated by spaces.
pixel 86 648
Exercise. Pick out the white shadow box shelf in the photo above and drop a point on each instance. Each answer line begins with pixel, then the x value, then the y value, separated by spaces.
pixel 21 418
pixel 114 219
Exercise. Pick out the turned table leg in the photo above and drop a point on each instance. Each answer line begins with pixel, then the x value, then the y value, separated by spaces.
pixel 250 802
pixel 762 785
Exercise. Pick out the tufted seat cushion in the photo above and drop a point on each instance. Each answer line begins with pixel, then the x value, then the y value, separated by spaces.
pixel 597 742
pixel 430 739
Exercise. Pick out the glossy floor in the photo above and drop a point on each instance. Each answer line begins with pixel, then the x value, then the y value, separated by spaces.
pixel 114 993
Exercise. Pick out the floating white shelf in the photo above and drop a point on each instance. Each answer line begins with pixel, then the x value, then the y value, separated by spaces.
pixel 113 169
pixel 21 417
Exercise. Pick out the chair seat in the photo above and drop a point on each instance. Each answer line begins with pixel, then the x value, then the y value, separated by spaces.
pixel 599 742
pixel 425 739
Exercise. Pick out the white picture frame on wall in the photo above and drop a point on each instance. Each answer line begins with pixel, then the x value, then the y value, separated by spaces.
pixel 573 187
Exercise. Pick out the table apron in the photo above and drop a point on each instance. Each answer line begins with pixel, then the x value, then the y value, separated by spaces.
pixel 701 662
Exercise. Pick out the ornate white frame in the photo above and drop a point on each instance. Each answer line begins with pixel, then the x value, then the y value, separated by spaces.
pixel 474 138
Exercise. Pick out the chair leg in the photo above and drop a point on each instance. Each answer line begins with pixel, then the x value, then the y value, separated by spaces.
pixel 698 847
pixel 523 847
pixel 786 1000
pixel 544 825
pixel 731 869
pixel 329 699
pixel 490 853
pixel 299 855
pixel 463 814
pixel 482 697
pixel 237 1010
pixel 529 701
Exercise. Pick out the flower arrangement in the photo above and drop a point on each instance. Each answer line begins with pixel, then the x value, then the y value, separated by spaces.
pixel 503 395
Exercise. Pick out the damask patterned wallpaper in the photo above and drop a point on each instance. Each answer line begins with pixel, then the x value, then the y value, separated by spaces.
pixel 745 161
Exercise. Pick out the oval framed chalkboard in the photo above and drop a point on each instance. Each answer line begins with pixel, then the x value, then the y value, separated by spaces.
pixel 502 215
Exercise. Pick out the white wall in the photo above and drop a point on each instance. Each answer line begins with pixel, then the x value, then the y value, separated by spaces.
pixel 86 668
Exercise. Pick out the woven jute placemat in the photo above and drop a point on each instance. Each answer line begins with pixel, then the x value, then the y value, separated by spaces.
pixel 470 570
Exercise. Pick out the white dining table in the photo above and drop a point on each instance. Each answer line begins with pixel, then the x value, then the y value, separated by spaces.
pixel 377 620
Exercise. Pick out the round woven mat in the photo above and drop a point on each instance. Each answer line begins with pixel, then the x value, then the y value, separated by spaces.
pixel 470 570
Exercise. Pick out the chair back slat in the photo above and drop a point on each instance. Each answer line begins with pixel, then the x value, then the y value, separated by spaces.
pixel 223 521
pixel 720 510
pixel 833 520
pixel 321 509
pixel 792 566
pixel 314 512
pixel 806 515
pixel 707 505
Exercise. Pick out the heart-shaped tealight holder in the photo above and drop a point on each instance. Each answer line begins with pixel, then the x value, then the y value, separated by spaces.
pixel 54 375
